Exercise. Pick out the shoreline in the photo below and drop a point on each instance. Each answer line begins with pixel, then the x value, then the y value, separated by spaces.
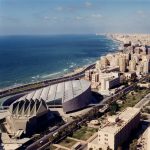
pixel 61 74
pixel 121 43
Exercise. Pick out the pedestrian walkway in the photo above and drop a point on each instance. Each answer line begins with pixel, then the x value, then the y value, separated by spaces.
pixel 143 101
pixel 60 146
pixel 91 138
pixel 77 140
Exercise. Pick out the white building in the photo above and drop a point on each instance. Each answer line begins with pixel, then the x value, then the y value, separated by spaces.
pixel 108 81
pixel 146 66
pixel 117 130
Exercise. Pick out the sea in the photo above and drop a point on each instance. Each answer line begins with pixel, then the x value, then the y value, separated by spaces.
pixel 30 58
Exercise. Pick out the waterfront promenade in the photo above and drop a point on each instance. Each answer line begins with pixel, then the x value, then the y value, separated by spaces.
pixel 41 84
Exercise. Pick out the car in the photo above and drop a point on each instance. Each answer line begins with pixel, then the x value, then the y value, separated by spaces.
pixel 41 142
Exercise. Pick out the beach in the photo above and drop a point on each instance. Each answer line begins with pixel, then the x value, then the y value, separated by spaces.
pixel 28 59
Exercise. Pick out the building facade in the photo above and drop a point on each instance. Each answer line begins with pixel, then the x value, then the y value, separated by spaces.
pixel 117 130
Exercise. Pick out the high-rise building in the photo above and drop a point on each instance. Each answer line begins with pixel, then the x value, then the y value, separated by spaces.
pixel 122 63
pixel 108 81
pixel 104 62
pixel 127 58
pixel 146 66
pixel 116 60
pixel 98 65
pixel 117 130
pixel 132 65
pixel 136 58
pixel 139 69
pixel 95 77
pixel 110 58
pixel 88 74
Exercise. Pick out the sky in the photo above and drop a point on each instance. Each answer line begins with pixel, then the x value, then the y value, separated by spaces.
pixel 19 17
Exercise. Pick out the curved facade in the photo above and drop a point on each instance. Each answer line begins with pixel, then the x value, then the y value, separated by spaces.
pixel 72 95
pixel 80 101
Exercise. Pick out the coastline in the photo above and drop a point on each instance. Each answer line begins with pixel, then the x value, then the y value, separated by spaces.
pixel 60 75
pixel 70 71
pixel 121 43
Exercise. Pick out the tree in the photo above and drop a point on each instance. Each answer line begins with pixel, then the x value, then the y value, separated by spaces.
pixel 108 148
pixel 114 108
pixel 133 145
pixel 119 148
pixel 133 98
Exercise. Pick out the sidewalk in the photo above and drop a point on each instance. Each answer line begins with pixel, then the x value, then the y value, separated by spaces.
pixel 143 101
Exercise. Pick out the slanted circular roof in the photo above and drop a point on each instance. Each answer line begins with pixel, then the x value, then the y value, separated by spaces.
pixel 64 91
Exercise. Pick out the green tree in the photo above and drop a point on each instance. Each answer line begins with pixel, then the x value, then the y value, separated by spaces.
pixel 114 108
pixel 119 148
pixel 133 145
pixel 108 148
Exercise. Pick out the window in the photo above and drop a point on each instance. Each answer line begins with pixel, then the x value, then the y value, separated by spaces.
pixel 106 139
pixel 106 135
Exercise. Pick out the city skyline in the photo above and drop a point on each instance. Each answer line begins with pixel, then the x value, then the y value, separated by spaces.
pixel 73 17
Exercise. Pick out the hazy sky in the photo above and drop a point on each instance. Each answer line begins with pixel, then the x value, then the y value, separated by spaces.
pixel 74 16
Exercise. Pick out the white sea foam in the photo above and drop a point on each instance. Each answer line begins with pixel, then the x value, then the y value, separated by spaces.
pixel 36 77
pixel 16 85
pixel 12 86
pixel 72 65
pixel 65 70
pixel 50 75
pixel 109 46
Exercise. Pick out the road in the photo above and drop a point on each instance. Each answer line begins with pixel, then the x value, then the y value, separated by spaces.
pixel 41 143
pixel 40 84
pixel 143 101
pixel 44 141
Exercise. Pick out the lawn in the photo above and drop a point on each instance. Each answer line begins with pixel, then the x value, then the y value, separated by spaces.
pixel 52 147
pixel 148 104
pixel 134 98
pixel 67 142
pixel 84 133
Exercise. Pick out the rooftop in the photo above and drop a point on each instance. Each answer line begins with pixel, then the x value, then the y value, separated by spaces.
pixel 63 91
pixel 123 118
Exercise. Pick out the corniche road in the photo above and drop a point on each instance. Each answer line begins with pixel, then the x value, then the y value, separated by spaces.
pixel 41 84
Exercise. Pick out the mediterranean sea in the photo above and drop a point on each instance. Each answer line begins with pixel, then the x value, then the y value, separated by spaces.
pixel 25 59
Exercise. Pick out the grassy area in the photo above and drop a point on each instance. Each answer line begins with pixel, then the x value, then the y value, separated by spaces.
pixel 146 108
pixel 67 142
pixel 52 147
pixel 133 98
pixel 84 133
pixel 148 104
